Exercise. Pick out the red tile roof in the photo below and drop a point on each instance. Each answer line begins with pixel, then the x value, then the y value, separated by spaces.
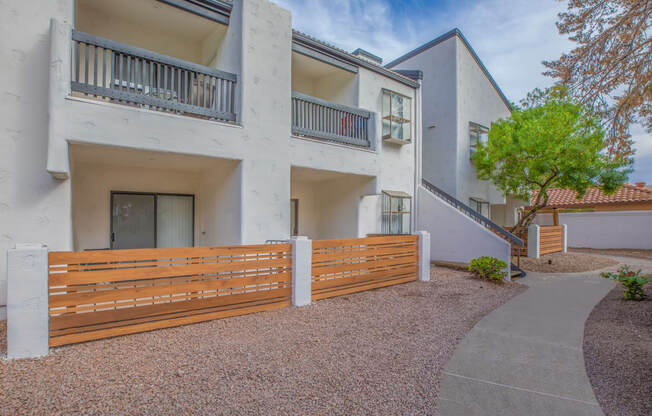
pixel 627 194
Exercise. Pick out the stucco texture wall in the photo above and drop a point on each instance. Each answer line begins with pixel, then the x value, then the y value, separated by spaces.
pixel 455 92
pixel 330 209
pixel 439 113
pixel 41 121
pixel 258 50
pixel 216 189
pixel 478 102
pixel 454 236
pixel 605 229
pixel 34 207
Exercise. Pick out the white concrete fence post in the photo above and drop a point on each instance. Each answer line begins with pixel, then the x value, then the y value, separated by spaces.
pixel 27 301
pixel 564 238
pixel 533 240
pixel 301 271
pixel 424 255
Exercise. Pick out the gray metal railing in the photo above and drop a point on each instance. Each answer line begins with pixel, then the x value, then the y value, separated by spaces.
pixel 322 119
pixel 109 69
pixel 473 214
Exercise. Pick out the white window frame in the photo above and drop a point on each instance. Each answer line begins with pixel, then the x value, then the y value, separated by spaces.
pixel 477 133
pixel 390 118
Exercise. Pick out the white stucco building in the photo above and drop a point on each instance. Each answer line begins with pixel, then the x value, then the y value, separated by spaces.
pixel 464 215
pixel 162 123
pixel 460 101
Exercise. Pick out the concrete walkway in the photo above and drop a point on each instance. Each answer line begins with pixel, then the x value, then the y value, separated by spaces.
pixel 525 358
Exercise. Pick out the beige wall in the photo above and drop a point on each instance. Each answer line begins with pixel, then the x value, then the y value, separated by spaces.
pixel 92 186
pixel 330 209
pixel 218 219
pixel 505 214
pixel 199 42
pixel 216 190
pixel 332 84
pixel 91 21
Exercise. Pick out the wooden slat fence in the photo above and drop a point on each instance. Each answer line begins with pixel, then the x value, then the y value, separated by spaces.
pixel 101 294
pixel 550 239
pixel 523 248
pixel 340 267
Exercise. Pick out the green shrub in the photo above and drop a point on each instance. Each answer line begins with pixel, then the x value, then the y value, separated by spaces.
pixel 632 282
pixel 489 268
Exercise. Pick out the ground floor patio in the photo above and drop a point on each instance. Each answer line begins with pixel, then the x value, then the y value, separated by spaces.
pixel 127 198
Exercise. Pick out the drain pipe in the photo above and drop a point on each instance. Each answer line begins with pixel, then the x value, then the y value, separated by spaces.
pixel 418 146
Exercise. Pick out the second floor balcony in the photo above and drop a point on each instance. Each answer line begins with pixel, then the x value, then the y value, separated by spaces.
pixel 105 69
pixel 153 55
pixel 324 102
pixel 314 117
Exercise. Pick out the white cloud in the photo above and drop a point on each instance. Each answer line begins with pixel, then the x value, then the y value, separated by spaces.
pixel 511 37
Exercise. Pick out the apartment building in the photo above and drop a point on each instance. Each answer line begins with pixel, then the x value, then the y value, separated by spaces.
pixel 460 101
pixel 171 123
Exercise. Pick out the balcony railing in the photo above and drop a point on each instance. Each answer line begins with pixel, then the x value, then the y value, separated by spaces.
pixel 126 74
pixel 318 118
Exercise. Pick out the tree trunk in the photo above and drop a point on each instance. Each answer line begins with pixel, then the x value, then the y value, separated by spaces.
pixel 525 221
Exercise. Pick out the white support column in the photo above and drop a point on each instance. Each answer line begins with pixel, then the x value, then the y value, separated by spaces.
pixel 424 255
pixel 564 238
pixel 58 164
pixel 27 301
pixel 533 240
pixel 301 271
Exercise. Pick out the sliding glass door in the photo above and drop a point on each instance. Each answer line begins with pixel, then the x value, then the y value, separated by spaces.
pixel 174 221
pixel 147 220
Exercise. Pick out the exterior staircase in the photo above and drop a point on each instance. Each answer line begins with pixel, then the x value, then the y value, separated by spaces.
pixel 515 242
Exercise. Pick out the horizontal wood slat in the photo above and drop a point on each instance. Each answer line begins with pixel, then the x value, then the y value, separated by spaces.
pixel 57 341
pixel 550 239
pixel 140 273
pixel 99 294
pixel 352 265
pixel 368 241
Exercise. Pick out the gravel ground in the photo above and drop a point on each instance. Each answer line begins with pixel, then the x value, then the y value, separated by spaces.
pixel 618 354
pixel 377 352
pixel 618 252
pixel 565 263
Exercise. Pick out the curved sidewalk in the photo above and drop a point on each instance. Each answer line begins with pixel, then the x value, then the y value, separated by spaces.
pixel 525 358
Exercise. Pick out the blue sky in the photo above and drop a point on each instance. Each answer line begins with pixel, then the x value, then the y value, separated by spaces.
pixel 511 37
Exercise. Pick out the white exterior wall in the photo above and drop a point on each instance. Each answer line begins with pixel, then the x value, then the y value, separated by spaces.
pixel 439 113
pixel 331 209
pixel 454 236
pixel 34 207
pixel 261 143
pixel 455 92
pixel 478 102
pixel 392 166
pixel 605 229
pixel 216 191
pixel 41 119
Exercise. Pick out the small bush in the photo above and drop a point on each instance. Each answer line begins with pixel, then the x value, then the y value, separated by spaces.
pixel 489 268
pixel 632 282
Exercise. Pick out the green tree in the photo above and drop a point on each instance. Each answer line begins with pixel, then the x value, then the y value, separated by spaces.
pixel 548 141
